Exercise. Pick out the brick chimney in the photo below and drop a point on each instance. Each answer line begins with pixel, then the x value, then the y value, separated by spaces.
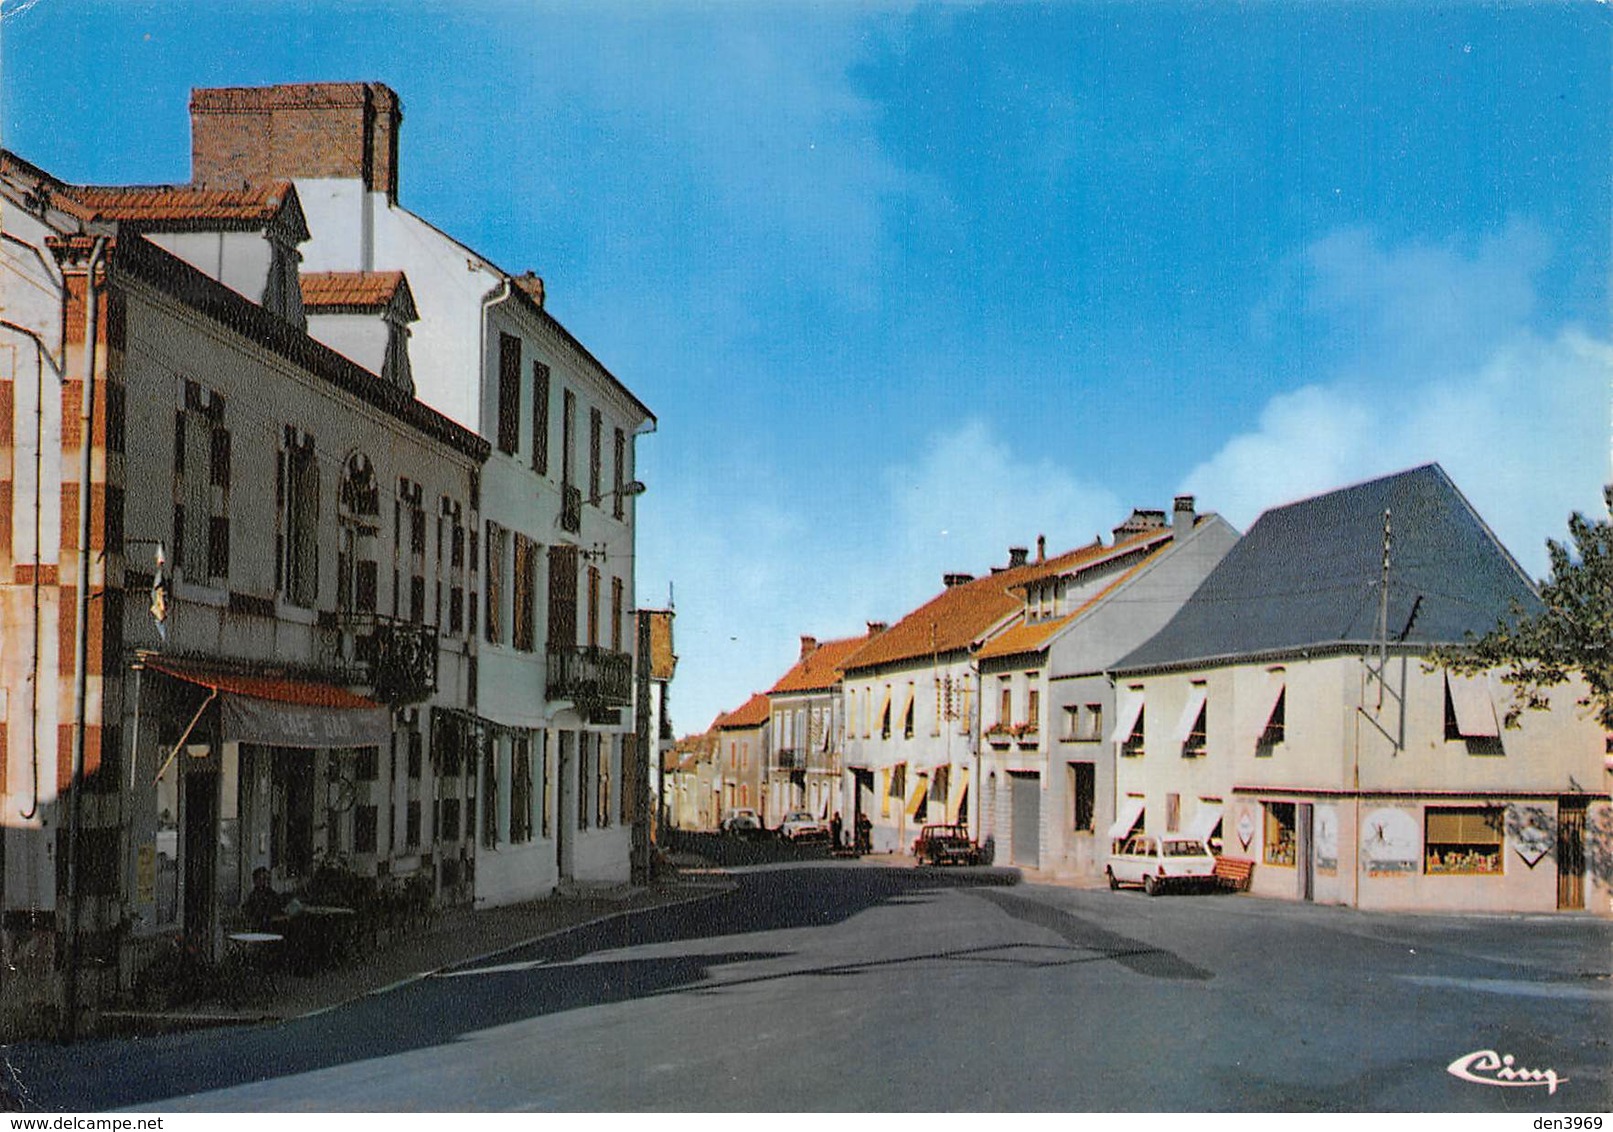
pixel 875 628
pixel 950 580
pixel 1018 556
pixel 1041 548
pixel 247 135
pixel 809 645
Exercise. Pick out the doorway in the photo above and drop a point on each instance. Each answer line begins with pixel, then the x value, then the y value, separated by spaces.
pixel 1304 851
pixel 1025 799
pixel 566 785
pixel 1571 853
pixel 201 840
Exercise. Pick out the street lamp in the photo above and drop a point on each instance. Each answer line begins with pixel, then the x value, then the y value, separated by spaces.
pixel 628 490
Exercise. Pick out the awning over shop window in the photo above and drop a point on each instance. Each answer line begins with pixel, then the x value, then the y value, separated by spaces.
pixel 1130 810
pixel 1204 821
pixel 1475 710
pixel 280 712
pixel 1131 706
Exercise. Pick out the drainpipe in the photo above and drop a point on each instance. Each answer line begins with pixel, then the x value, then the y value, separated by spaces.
pixel 41 356
pixel 81 632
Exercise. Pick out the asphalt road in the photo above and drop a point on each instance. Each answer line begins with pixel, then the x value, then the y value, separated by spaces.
pixel 841 986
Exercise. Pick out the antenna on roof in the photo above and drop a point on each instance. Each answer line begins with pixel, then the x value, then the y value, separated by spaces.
pixel 1377 662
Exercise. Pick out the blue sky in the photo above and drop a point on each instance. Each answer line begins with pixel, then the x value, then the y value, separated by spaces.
pixel 907 284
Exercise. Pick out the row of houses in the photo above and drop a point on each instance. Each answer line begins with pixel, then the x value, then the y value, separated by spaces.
pixel 1270 693
pixel 357 516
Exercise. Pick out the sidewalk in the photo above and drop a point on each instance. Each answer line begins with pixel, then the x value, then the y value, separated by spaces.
pixel 456 936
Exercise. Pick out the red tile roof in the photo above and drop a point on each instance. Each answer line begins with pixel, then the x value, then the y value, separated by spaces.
pixel 752 713
pixel 957 617
pixel 819 669
pixel 1027 637
pixel 368 290
pixel 170 203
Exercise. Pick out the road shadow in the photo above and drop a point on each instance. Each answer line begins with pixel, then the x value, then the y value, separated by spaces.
pixel 1133 954
pixel 517 985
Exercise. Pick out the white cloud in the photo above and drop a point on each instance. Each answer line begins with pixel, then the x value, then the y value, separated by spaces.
pixel 1448 370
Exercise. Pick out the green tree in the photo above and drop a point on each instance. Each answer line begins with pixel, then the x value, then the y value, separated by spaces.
pixel 1572 635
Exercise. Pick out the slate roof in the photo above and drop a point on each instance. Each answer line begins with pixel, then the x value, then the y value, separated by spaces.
pixel 819 669
pixel 957 617
pixel 1307 576
pixel 355 290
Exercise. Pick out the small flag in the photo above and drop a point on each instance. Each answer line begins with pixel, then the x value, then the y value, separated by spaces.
pixel 159 596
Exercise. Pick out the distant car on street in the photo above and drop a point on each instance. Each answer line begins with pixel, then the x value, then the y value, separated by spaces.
pixel 743 822
pixel 800 825
pixel 1158 861
pixel 946 845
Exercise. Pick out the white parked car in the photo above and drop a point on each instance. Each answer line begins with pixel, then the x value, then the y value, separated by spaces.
pixel 800 825
pixel 1157 860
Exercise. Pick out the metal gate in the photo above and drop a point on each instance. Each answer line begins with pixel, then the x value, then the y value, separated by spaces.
pixel 1025 796
pixel 1571 852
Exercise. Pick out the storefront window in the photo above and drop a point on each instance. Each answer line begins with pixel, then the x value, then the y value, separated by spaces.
pixel 1279 833
pixel 1463 840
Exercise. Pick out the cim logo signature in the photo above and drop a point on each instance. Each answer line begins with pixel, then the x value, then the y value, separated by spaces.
pixel 1486 1067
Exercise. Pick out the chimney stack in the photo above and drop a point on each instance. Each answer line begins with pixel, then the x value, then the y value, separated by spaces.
pixel 809 645
pixel 1182 516
pixel 950 580
pixel 247 135
pixel 1140 522
pixel 1018 556
pixel 875 628
pixel 1041 548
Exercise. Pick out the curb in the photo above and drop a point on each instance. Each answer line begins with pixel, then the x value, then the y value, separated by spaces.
pixel 134 1023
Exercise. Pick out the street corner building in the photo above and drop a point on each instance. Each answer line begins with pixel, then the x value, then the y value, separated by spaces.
pixel 356 587
pixel 985 705
pixel 1289 713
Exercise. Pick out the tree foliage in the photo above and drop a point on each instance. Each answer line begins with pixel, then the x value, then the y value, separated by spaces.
pixel 1573 634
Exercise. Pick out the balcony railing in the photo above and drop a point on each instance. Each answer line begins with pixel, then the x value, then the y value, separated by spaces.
pixel 593 678
pixel 391 659
pixel 790 758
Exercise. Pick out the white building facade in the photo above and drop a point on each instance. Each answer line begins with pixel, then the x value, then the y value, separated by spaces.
pixel 553 725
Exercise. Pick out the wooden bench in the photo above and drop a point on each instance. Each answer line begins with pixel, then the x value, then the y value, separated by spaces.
pixel 1233 872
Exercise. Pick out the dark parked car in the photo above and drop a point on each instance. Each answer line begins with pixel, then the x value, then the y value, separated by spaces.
pixel 946 845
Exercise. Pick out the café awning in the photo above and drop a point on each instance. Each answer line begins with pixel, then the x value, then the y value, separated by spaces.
pixel 283 712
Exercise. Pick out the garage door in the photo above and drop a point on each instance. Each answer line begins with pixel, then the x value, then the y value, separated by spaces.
pixel 1026 799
